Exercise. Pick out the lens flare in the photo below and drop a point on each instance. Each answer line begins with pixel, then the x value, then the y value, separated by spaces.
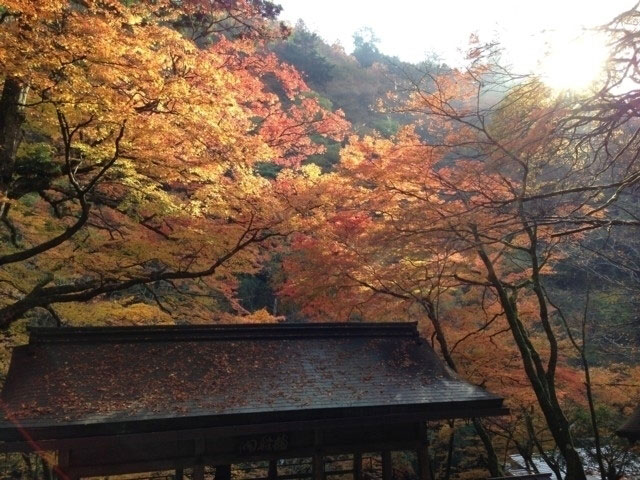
pixel 574 63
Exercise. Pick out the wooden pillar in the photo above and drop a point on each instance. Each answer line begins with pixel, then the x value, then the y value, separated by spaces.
pixel 62 469
pixel 318 457
pixel 357 466
pixel 223 472
pixel 179 475
pixel 273 470
pixel 424 462
pixel 198 472
pixel 198 450
pixel 387 469
pixel 318 466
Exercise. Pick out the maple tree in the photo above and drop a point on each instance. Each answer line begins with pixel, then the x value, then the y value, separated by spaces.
pixel 373 251
pixel 130 193
pixel 128 161
pixel 465 230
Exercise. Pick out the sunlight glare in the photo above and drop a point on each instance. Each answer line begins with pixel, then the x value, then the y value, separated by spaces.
pixel 574 63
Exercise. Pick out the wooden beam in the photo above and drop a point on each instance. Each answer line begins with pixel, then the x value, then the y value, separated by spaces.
pixel 383 418
pixel 169 463
pixel 137 457
pixel 357 466
pixel 130 467
pixel 533 476
pixel 387 468
pixel 273 470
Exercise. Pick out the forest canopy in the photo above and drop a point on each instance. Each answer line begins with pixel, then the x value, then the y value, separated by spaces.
pixel 199 161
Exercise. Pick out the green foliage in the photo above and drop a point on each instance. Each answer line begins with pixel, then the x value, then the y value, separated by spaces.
pixel 466 454
pixel 609 420
pixel 366 49
pixel 354 83
pixel 386 125
pixel 255 292
pixel 324 102
pixel 267 169
pixel 36 159
pixel 29 200
pixel 331 156
pixel 301 50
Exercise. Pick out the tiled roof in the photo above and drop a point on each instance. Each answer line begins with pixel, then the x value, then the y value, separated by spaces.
pixel 97 376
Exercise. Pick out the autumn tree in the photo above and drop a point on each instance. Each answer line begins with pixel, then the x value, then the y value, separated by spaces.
pixel 511 178
pixel 130 132
pixel 375 250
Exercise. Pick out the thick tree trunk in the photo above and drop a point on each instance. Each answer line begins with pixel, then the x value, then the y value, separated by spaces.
pixel 545 394
pixel 452 438
pixel 493 464
pixel 551 463
pixel 12 101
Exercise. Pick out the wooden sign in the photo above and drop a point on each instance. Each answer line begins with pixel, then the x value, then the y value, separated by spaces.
pixel 275 442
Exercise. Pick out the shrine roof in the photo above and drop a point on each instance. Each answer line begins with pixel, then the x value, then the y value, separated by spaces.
pixel 77 381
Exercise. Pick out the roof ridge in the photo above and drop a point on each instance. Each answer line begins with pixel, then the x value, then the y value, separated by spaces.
pixel 156 333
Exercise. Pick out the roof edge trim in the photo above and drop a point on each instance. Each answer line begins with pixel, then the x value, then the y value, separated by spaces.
pixel 178 333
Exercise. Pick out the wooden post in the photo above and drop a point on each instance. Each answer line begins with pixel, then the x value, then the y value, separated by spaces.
pixel 198 472
pixel 273 470
pixel 357 466
pixel 318 457
pixel 387 469
pixel 179 475
pixel 424 462
pixel 318 466
pixel 198 450
pixel 63 465
pixel 223 472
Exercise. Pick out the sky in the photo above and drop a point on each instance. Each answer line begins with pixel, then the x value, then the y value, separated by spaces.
pixel 412 29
